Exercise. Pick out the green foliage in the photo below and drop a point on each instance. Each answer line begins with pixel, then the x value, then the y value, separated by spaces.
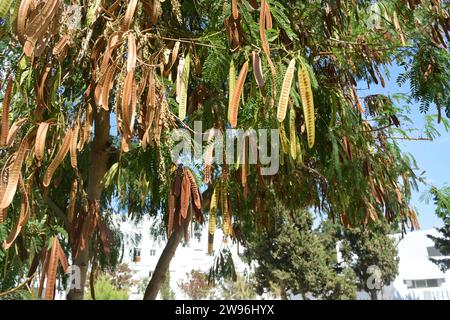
pixel 106 290
pixel 241 289
pixel 166 291
pixel 298 260
pixel 369 247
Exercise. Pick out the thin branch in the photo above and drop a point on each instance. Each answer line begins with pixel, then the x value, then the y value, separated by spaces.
pixel 410 138
pixel 25 283
pixel 378 129
pixel 185 40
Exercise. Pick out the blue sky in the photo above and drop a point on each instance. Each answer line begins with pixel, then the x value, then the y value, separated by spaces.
pixel 433 157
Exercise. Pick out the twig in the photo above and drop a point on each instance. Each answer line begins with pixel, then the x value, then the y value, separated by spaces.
pixel 25 283
pixel 410 138
pixel 378 129
pixel 185 40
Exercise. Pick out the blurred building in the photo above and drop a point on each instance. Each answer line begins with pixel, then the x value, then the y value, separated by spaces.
pixel 142 254
pixel 418 278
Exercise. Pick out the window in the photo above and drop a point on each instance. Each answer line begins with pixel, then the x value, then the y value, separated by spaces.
pixel 152 252
pixel 421 283
pixel 432 283
pixel 137 255
pixel 433 252
pixel 427 283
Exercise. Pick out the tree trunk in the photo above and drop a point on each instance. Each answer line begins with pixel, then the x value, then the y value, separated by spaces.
pixel 283 294
pixel 163 265
pixel 373 295
pixel 98 165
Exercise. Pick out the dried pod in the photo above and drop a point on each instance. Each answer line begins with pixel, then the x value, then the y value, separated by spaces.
pixel 62 152
pixel 237 92
pixel 285 91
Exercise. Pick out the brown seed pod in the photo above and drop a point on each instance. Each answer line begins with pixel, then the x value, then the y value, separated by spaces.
pixel 128 18
pixel 399 29
pixel 5 112
pixel 37 27
pixel 237 95
pixel 73 146
pixel 185 195
pixel 107 86
pixel 39 148
pixel 257 69
pixel 131 57
pixel 194 190
pixel 171 214
pixel 265 45
pixel 15 170
pixel 13 131
pixel 22 14
pixel 268 16
pixel 63 150
pixel 234 9
pixel 23 217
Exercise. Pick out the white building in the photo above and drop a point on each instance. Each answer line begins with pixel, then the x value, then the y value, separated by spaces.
pixel 419 278
pixel 143 256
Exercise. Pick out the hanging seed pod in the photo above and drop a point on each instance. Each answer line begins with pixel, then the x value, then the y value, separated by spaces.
pixel 37 27
pixel 213 211
pixel 128 18
pixel 39 148
pixel 5 112
pixel 4 7
pixel 304 83
pixel 226 218
pixel 171 214
pixel 55 255
pixel 73 146
pixel 292 133
pixel 107 86
pixel 399 29
pixel 231 86
pixel 299 152
pixel 23 217
pixel 127 112
pixel 15 171
pixel 87 125
pixel 184 88
pixel 257 69
pixel 265 44
pixel 13 131
pixel 72 200
pixel 131 56
pixel 22 15
pixel 284 140
pixel 234 9
pixel 64 149
pixel 268 16
pixel 175 51
pixel 285 91
pixel 237 92
pixel 185 196
pixel 194 190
